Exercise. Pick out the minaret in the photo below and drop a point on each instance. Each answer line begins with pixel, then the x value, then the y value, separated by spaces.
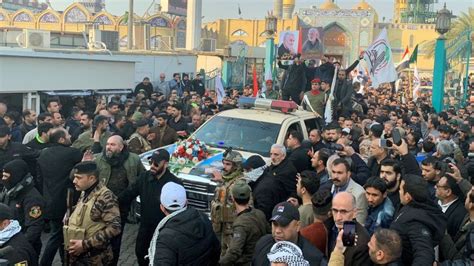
pixel 288 8
pixel 278 8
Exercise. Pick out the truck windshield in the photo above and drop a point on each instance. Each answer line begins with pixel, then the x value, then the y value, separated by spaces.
pixel 240 134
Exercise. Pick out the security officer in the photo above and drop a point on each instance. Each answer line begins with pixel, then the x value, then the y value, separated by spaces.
pixel 20 194
pixel 222 209
pixel 138 142
pixel 94 221
pixel 148 187
pixel 249 225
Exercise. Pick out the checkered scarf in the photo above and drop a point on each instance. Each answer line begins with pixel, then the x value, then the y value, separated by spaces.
pixel 288 253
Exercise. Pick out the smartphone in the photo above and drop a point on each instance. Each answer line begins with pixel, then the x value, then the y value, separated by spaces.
pixel 385 143
pixel 397 138
pixel 348 237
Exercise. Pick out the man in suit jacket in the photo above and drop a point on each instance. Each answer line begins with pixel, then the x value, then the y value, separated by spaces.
pixel 343 210
pixel 342 181
pixel 450 199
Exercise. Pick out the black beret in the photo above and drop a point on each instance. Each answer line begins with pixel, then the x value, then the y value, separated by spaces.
pixel 85 167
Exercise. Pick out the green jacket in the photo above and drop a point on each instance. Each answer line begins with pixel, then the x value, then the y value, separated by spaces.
pixel 133 166
pixel 85 140
pixel 248 227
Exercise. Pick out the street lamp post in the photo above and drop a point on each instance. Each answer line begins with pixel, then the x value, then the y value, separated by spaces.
pixel 443 25
pixel 270 29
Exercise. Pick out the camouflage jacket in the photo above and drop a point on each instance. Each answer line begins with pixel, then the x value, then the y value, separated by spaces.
pixel 105 209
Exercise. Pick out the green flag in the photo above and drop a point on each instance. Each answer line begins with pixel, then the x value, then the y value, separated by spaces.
pixel 414 55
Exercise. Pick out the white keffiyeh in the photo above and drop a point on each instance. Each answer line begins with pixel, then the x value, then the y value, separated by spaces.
pixel 287 252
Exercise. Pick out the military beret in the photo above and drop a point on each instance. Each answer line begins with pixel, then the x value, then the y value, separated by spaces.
pixel 85 167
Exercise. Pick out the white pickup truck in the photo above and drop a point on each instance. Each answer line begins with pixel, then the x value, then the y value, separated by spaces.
pixel 251 129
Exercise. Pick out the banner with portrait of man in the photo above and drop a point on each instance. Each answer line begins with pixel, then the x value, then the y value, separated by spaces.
pixel 313 47
pixel 288 45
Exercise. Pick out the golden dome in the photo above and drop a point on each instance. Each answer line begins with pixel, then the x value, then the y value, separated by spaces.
pixel 362 5
pixel 289 2
pixel 328 5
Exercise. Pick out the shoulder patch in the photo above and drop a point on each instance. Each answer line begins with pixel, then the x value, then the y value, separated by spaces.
pixel 35 212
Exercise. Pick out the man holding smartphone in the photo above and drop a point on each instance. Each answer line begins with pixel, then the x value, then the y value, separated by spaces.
pixel 344 211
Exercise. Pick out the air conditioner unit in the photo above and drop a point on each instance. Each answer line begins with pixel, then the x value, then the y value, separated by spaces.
pixel 36 38
pixel 208 45
pixel 109 38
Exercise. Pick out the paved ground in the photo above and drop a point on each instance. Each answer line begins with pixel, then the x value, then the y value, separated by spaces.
pixel 127 252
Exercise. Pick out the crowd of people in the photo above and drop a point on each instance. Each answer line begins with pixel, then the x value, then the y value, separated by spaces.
pixel 391 165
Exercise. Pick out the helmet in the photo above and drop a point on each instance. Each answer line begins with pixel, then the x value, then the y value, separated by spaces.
pixel 233 156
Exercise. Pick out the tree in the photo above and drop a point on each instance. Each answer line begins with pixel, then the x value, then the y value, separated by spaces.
pixel 463 22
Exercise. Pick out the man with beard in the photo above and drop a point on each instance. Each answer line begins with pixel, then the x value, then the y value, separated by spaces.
pixel 390 172
pixel 86 122
pixel 162 134
pixel 41 140
pixel 343 94
pixel 138 142
pixel 148 186
pixel 118 170
pixel 295 81
pixel 54 166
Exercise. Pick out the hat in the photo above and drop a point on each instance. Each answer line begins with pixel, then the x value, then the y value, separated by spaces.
pixel 141 123
pixel 268 81
pixel 326 81
pixel 137 116
pixel 253 162
pixel 316 80
pixel 5 212
pixel 173 196
pixel 322 202
pixel 284 212
pixel 86 167
pixel 453 122
pixel 445 128
pixel 240 190
pixel 4 130
pixel 464 128
pixel 160 155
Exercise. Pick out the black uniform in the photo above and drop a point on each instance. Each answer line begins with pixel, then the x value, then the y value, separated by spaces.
pixel 300 159
pixel 17 249
pixel 26 202
pixel 148 187
pixel 14 151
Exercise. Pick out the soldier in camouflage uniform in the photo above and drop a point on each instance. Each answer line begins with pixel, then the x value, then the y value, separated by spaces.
pixel 222 208
pixel 271 93
pixel 94 221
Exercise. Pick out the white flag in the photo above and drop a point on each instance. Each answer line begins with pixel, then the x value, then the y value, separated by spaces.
pixel 219 89
pixel 379 61
pixel 416 83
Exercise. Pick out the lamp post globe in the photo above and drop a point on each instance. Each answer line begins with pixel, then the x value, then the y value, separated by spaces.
pixel 443 20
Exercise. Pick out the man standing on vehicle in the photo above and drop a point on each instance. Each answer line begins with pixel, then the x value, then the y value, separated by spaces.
pixel 222 208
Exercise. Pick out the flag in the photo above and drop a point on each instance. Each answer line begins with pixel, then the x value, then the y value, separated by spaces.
pixel 416 83
pixel 240 11
pixel 379 60
pixel 255 82
pixel 414 55
pixel 219 89
pixel 405 61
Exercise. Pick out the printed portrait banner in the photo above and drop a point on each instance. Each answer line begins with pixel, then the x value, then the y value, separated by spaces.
pixel 175 7
pixel 312 43
pixel 288 46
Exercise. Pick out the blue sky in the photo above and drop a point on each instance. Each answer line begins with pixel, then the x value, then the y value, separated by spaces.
pixel 214 9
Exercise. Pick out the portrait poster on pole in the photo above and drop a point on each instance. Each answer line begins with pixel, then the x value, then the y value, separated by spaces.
pixel 288 46
pixel 312 43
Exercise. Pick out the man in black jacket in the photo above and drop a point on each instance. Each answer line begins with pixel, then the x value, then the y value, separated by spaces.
pixel 299 154
pixel 185 236
pixel 20 194
pixel 12 150
pixel 285 227
pixel 343 94
pixel 148 186
pixel 14 246
pixel 295 80
pixel 420 223
pixel 54 167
